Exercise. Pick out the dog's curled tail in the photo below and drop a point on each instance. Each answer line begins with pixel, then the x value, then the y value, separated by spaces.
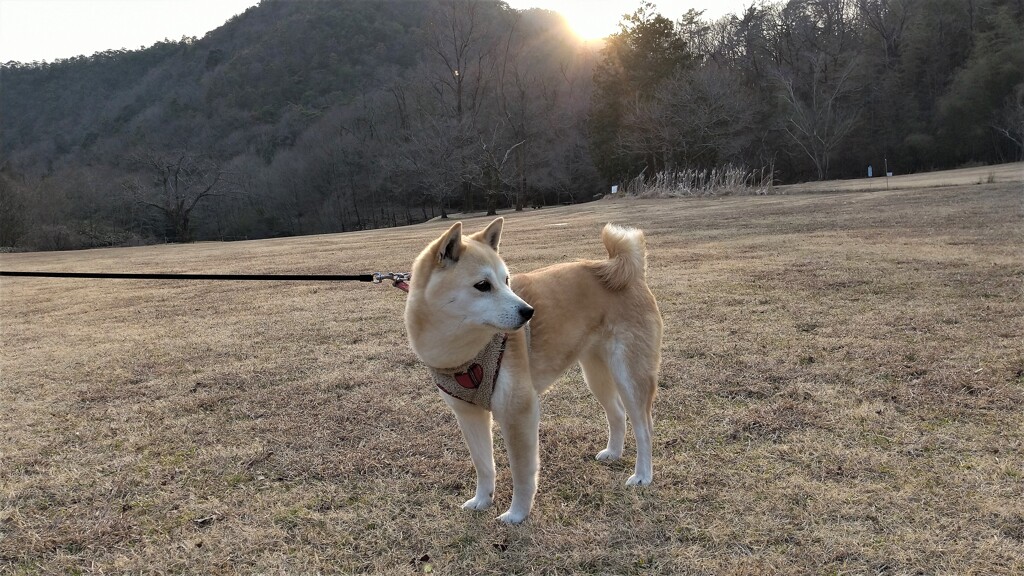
pixel 627 257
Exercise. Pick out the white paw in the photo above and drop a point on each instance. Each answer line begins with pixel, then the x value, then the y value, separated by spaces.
pixel 478 503
pixel 607 455
pixel 637 480
pixel 511 517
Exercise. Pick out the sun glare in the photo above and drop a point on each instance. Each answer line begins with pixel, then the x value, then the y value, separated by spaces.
pixel 591 21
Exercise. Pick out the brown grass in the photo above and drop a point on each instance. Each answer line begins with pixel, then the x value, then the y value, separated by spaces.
pixel 842 390
pixel 974 175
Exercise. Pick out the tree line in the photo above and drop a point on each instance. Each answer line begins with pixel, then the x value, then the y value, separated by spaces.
pixel 815 89
pixel 313 117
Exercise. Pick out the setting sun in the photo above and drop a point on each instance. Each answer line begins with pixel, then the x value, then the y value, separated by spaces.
pixel 591 20
pixel 595 19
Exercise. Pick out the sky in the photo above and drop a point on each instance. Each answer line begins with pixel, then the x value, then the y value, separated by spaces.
pixel 45 30
pixel 37 30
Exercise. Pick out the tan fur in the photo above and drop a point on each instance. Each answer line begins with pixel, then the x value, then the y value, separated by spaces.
pixel 600 314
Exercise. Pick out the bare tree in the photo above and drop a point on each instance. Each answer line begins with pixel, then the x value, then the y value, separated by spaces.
pixel 821 119
pixel 889 19
pixel 462 84
pixel 497 172
pixel 178 183
pixel 698 118
pixel 1010 122
pixel 435 152
pixel 535 83
pixel 13 212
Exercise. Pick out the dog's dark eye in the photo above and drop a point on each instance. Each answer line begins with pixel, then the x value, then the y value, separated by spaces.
pixel 483 286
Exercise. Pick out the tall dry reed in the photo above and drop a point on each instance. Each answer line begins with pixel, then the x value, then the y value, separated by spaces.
pixel 719 181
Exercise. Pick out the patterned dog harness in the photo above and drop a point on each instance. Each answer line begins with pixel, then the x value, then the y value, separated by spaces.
pixel 474 381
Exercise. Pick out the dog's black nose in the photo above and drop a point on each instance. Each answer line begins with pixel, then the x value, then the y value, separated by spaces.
pixel 526 312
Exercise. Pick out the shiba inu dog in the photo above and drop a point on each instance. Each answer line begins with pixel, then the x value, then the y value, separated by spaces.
pixel 600 314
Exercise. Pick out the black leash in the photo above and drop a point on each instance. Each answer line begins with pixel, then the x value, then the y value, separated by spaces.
pixel 376 277
pixel 114 276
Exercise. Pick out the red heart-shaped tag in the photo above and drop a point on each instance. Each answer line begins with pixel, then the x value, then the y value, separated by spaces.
pixel 471 378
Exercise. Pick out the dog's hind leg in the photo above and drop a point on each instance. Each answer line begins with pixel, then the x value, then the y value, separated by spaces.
pixel 602 384
pixel 643 429
pixel 637 386
pixel 475 423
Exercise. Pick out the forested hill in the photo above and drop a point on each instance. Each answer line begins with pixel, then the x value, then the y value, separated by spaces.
pixel 296 118
pixel 252 85
pixel 308 117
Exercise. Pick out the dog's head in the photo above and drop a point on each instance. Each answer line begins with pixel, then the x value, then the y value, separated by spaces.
pixel 461 281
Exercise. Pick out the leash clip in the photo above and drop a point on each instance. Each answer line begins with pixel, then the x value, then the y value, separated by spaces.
pixel 379 277
pixel 399 280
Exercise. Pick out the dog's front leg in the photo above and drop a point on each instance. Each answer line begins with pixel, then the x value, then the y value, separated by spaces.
pixel 520 427
pixel 475 423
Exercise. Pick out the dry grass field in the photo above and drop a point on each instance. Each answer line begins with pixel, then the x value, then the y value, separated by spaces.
pixel 841 393
pixel 1000 173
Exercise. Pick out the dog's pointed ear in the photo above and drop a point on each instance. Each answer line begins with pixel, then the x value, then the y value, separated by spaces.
pixel 491 235
pixel 449 246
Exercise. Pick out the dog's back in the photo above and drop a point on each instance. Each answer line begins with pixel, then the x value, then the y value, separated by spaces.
pixel 589 307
